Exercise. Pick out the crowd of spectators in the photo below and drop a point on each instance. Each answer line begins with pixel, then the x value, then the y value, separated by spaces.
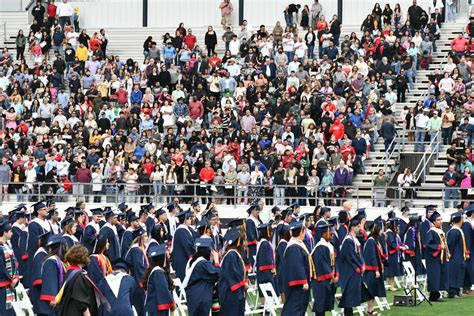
pixel 267 118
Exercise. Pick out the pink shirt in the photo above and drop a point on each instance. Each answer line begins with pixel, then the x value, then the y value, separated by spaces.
pixel 466 182
pixel 226 8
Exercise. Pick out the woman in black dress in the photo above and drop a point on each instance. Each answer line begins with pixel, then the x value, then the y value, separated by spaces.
pixel 305 18
pixel 210 40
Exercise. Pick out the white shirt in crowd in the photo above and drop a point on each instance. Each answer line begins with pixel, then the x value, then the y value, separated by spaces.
pixel 64 9
pixel 234 46
pixel 421 120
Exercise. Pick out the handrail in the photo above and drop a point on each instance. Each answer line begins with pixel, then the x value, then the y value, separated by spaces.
pixel 386 157
pixel 424 162
pixel 4 31
pixel 28 6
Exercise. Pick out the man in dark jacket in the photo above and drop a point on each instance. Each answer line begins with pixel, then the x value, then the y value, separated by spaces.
pixel 388 132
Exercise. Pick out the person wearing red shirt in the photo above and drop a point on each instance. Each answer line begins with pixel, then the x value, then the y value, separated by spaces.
pixel 337 129
pixel 214 60
pixel 347 149
pixel 95 42
pixel 190 40
pixel 459 45
pixel 207 173
pixel 148 166
pixel 122 95
pixel 328 105
pixel 51 12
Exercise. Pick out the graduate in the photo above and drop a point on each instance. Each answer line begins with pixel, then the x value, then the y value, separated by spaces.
pixel 79 295
pixel 323 286
pixel 109 231
pixel 118 288
pixel 99 266
pixel 52 275
pixel 335 241
pixel 425 226
pixel 233 282
pixel 374 267
pixel 9 276
pixel 68 226
pixel 19 224
pixel 279 252
pixel 92 230
pixel 251 228
pixel 137 258
pixel 324 216
pixel 218 240
pixel 40 255
pixel 38 226
pixel 404 220
pixel 343 224
pixel 437 253
pixel 53 219
pixel 196 208
pixel 351 270
pixel 183 243
pixel 151 219
pixel 79 217
pixel 127 237
pixel 284 221
pixel 201 278
pixel 412 252
pixel 395 249
pixel 468 229
pixel 362 234
pixel 298 271
pixel 158 284
pixel 458 255
pixel 308 223
pixel 121 226
pixel 275 216
pixel 156 237
pixel 265 257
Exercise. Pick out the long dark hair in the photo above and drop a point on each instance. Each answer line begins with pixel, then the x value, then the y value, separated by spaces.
pixel 159 261
pixel 201 252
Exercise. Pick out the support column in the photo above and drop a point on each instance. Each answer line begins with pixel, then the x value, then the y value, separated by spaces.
pixel 145 14
pixel 241 11
pixel 339 10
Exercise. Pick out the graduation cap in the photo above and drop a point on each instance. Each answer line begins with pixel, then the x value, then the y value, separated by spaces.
pixel 66 221
pixel 109 214
pixel 143 211
pixel 38 206
pixel 404 209
pixel 69 211
pixel 333 221
pixel 121 215
pixel 137 233
pixel 50 202
pixel 391 215
pixel 286 212
pixel 184 215
pixel 284 229
pixel 295 205
pixel 107 209
pixel 132 217
pixel 305 217
pixel 379 221
pixel 122 206
pixel 150 206
pixel 54 240
pixel 232 236
pixel 170 206
pixel 78 212
pixel 156 251
pixel 275 209
pixel 469 210
pixel 430 207
pixel 20 213
pixel 456 216
pixel 51 213
pixel 44 238
pixel 21 206
pixel 434 216
pixel 194 203
pixel 263 227
pixel 361 213
pixel 355 221
pixel 96 211
pixel 252 208
pixel 324 210
pixel 120 263
pixel 296 225
pixel 324 226
pixel 203 243
pixel 235 223
pixel 160 212
pixel 343 216
pixel 211 213
pixel 203 223
pixel 4 225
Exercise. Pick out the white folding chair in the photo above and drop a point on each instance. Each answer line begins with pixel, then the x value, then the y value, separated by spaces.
pixel 250 311
pixel 180 307
pixel 272 301
pixel 23 305
pixel 410 274
pixel 182 294
pixel 382 303
pixel 338 311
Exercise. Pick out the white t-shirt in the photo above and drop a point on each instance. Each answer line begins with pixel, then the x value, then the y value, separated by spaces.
pixel 64 9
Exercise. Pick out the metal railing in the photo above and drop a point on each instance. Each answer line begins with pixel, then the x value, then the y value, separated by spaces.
pixel 365 195
pixel 426 161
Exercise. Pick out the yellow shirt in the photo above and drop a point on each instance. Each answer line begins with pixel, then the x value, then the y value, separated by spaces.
pixel 82 53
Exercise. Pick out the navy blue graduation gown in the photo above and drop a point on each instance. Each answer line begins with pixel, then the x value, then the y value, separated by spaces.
pixel 52 277
pixel 251 241
pixel 324 263
pixel 15 242
pixel 149 224
pixel 121 305
pixel 318 232
pixel 277 233
pixel 138 263
pixel 309 240
pixel 342 232
pixel 183 249
pixel 424 228
pixel 393 247
pixel 114 245
pixel 456 263
pixel 36 280
pixel 159 299
pixel 90 236
pixel 200 288
pixel 69 241
pixel 24 258
pixel 7 277
pixel 373 263
pixel 79 232
pixel 231 286
pixel 402 227
pixel 350 280
pixel 34 231
pixel 435 262
pixel 95 270
pixel 127 240
pixel 265 263
pixel 413 253
pixel 469 236
pixel 279 252
pixel 296 273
